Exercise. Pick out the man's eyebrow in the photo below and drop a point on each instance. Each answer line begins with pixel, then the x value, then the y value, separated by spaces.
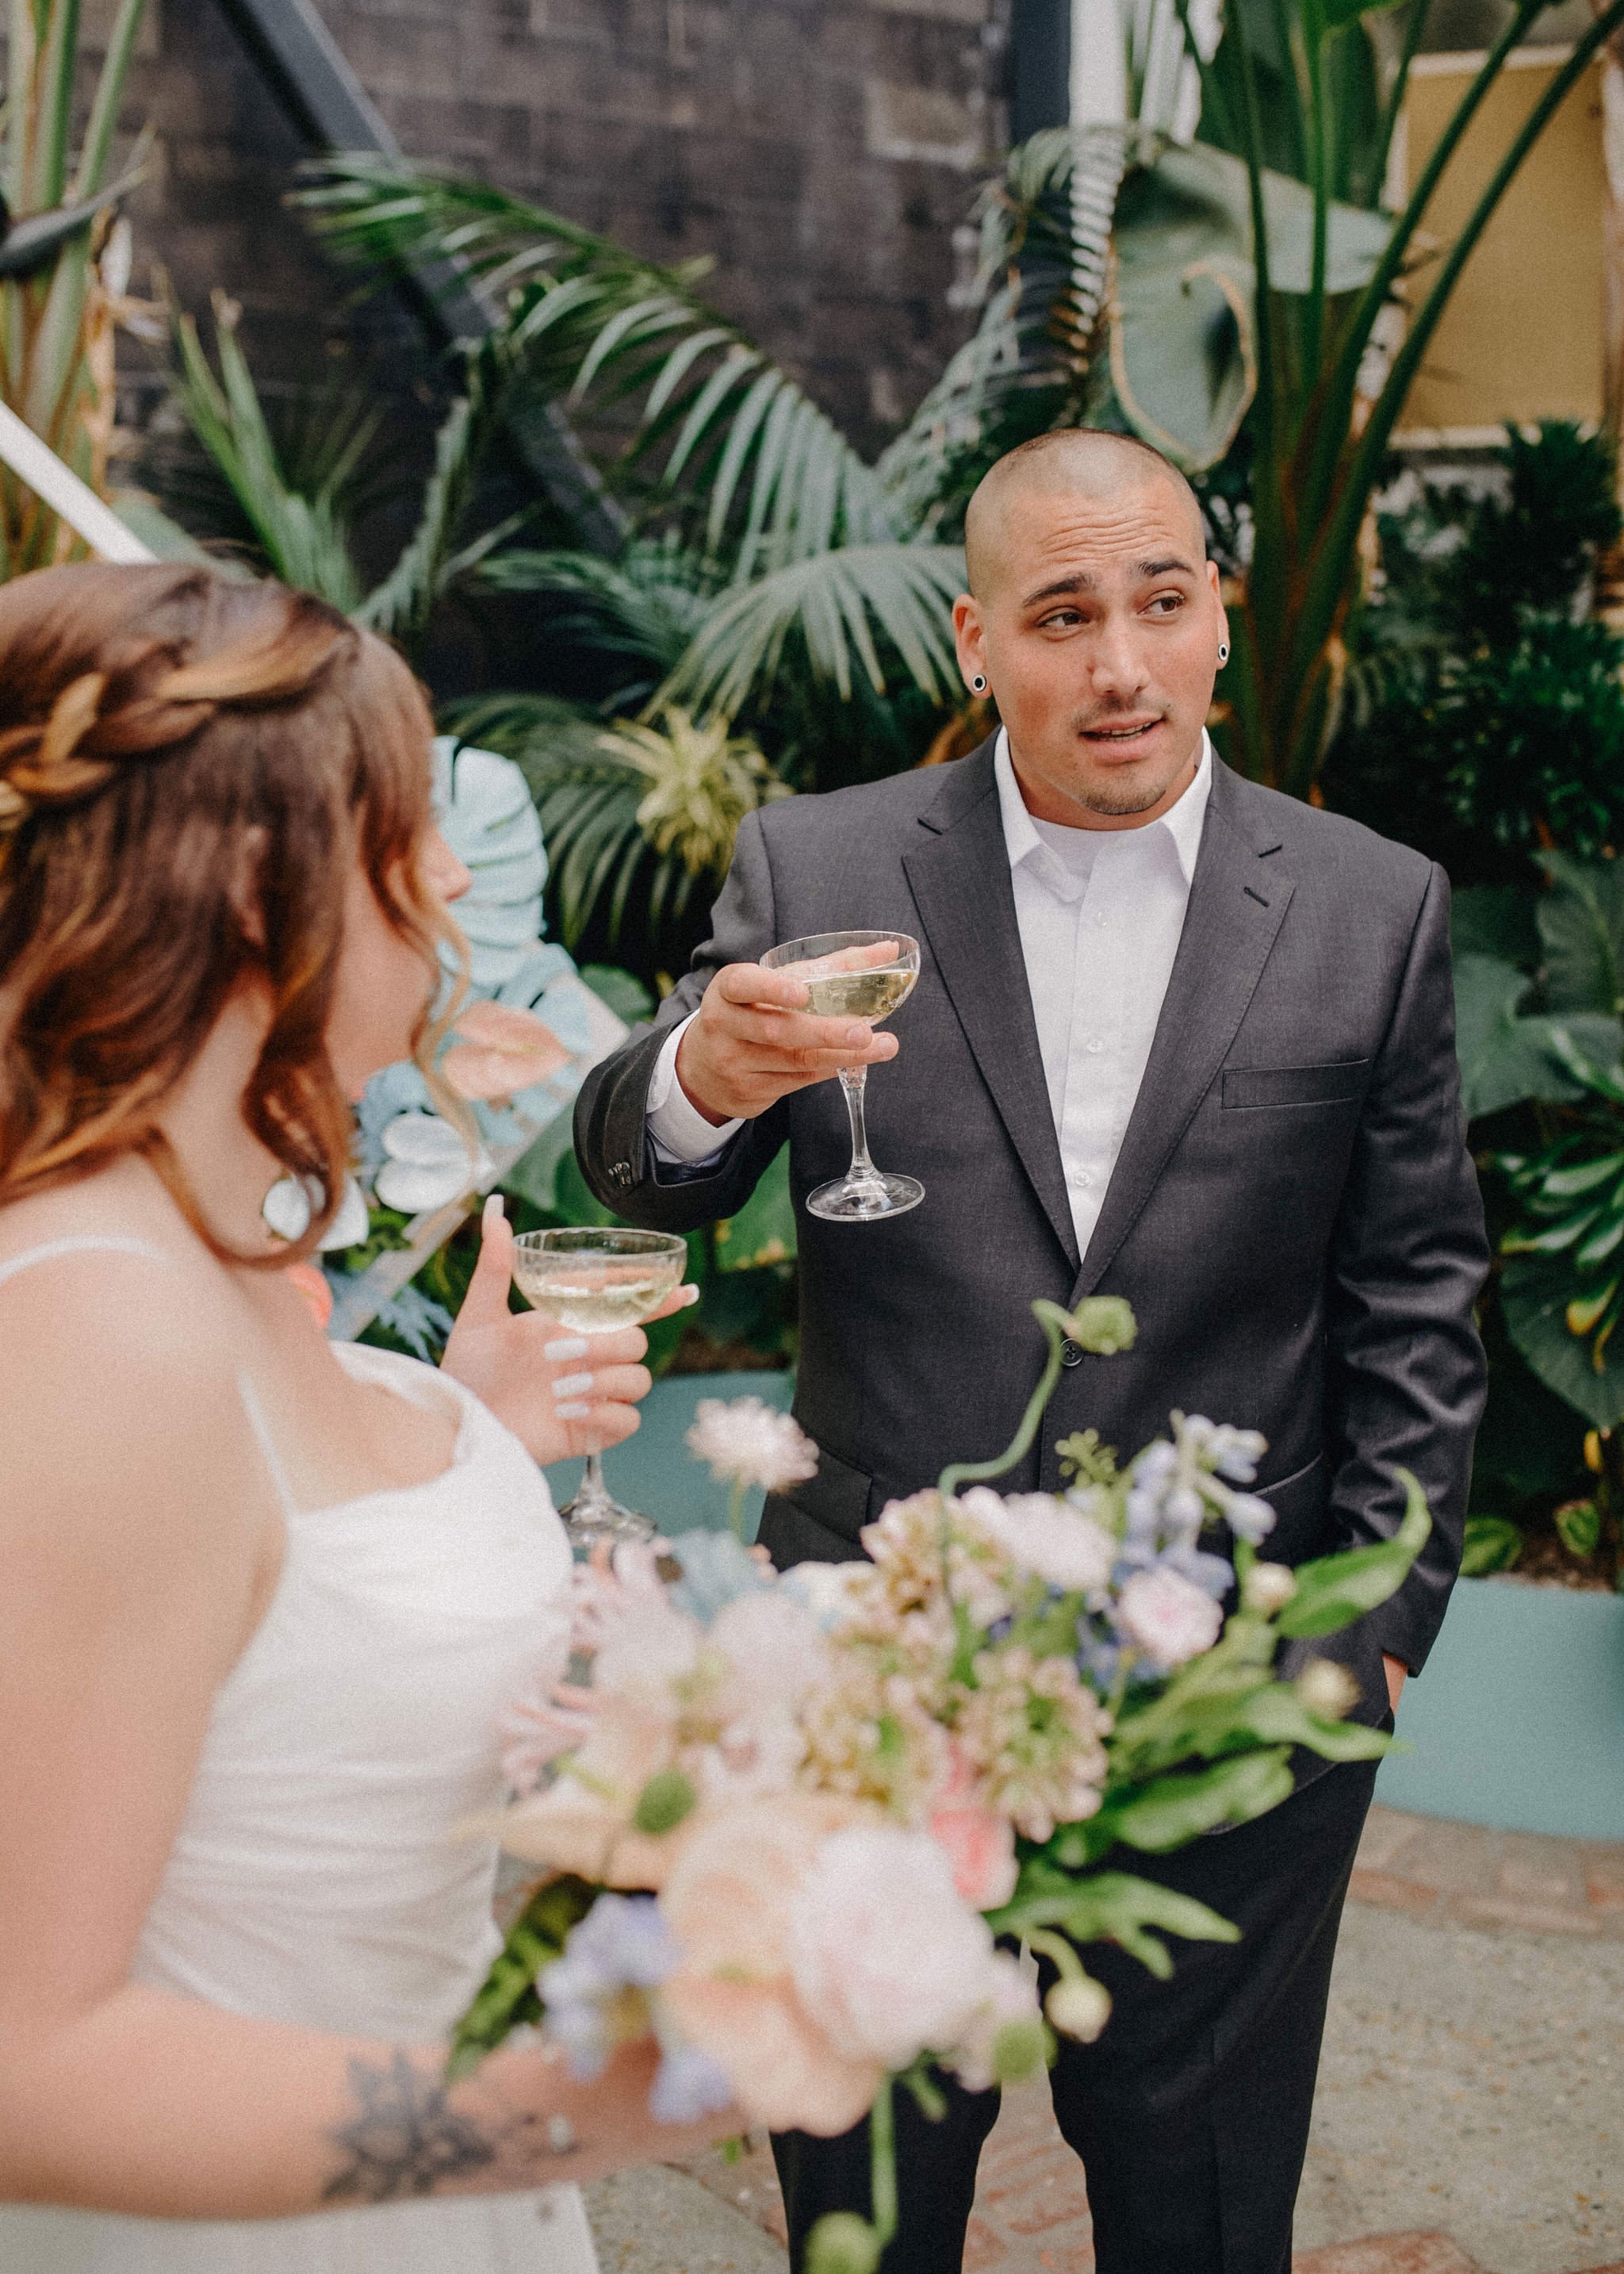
pixel 1079 580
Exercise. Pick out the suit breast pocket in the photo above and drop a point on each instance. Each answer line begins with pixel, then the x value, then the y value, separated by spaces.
pixel 1246 1089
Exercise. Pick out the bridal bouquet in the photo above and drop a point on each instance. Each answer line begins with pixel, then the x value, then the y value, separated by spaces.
pixel 799 1826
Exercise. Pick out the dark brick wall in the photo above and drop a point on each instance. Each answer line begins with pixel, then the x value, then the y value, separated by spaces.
pixel 820 151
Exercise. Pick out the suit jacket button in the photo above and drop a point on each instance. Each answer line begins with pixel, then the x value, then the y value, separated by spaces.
pixel 1070 1354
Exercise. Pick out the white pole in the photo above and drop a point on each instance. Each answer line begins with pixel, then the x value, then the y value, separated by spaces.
pixel 36 463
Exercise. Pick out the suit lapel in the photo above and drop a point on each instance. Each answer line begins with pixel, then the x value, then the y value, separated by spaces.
pixel 1238 897
pixel 959 877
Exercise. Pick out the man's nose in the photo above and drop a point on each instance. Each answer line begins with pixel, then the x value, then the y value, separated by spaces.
pixel 1115 666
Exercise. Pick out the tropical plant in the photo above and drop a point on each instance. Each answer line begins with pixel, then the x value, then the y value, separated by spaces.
pixel 59 261
pixel 1294 83
pixel 1484 713
pixel 1540 992
pixel 299 510
pixel 1178 291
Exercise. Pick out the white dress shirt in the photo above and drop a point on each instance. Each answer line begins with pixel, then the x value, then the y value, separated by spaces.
pixel 1099 912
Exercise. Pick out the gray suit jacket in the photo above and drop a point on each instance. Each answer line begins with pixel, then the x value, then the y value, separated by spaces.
pixel 1294 1216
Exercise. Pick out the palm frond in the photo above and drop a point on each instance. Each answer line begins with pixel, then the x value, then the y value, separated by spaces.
pixel 765 476
pixel 303 533
pixel 401 604
pixel 835 603
pixel 639 611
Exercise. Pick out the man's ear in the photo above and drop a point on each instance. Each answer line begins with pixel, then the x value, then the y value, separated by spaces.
pixel 244 890
pixel 968 639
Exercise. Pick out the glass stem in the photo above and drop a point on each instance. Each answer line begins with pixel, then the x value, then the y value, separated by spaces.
pixel 592 1490
pixel 854 1081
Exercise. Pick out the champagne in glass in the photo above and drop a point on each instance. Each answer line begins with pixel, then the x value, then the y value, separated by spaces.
pixel 867 975
pixel 596 1279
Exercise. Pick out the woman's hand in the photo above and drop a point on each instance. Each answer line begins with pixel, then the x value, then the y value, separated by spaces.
pixel 562 1395
pixel 605 2125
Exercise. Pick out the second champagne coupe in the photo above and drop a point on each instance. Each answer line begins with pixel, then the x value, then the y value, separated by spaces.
pixel 867 975
pixel 596 1279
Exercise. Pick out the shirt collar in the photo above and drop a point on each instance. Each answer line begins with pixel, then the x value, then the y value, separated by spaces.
pixel 1182 821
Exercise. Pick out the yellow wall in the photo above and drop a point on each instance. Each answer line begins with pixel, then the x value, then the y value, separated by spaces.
pixel 1523 336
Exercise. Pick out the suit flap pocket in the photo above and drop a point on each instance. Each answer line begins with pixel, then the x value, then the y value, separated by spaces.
pixel 1309 1085
pixel 837 1497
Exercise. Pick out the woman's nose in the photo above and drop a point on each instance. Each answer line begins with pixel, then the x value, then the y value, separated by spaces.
pixel 442 871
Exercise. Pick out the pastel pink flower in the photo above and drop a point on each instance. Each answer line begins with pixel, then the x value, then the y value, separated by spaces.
pixel 1168 1617
pixel 881 1948
pixel 978 1843
pixel 727 1901
pixel 499 1050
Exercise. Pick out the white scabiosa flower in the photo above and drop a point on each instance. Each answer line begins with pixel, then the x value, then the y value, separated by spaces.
pixel 747 1442
pixel 1057 1544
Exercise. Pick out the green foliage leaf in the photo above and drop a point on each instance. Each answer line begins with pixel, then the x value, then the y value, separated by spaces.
pixel 764 1231
pixel 1578 1528
pixel 1109 1907
pixel 1333 1591
pixel 507 1999
pixel 1581 932
pixel 1170 1811
pixel 1536 1290
pixel 625 994
pixel 1492 1543
pixel 1498 921
pixel 1506 1057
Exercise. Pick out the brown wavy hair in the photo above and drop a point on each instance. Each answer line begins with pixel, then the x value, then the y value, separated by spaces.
pixel 172 744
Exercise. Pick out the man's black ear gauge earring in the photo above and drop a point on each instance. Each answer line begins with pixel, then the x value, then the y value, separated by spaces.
pixel 978 685
pixel 1223 652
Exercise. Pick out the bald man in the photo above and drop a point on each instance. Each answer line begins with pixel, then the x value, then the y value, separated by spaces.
pixel 1175 1038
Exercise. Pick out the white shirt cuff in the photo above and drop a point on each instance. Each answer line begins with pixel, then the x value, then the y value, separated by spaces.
pixel 679 1130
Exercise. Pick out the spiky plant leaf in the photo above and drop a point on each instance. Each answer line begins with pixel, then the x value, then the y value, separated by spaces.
pixel 836 604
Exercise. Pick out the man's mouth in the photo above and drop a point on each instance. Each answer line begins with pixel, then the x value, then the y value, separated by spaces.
pixel 1124 730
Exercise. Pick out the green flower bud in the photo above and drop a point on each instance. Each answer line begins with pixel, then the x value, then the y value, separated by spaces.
pixel 1269 1587
pixel 1018 2052
pixel 842 2243
pixel 666 1798
pixel 1326 1689
pixel 1080 2007
pixel 1104 1324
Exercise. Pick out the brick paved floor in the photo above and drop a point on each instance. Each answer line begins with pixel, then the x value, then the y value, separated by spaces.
pixel 1032 2209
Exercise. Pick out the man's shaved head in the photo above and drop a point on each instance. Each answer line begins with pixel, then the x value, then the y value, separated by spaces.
pixel 1082 461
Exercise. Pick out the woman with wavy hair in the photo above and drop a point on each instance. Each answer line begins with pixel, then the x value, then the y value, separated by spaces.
pixel 261 1598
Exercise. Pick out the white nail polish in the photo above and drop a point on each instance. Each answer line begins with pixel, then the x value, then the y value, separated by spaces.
pixel 690 1295
pixel 566 1346
pixel 571 1385
pixel 572 1412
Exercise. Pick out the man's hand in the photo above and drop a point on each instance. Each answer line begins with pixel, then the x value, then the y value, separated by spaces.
pixel 561 1394
pixel 752 1041
pixel 1396 1672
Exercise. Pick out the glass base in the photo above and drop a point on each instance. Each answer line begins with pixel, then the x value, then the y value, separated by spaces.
pixel 864 1200
pixel 587 1521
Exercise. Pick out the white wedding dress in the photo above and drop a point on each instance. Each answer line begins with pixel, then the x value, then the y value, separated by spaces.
pixel 316 1878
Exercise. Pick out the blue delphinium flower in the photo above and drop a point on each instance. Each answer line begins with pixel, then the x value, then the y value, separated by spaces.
pixel 623 1943
pixel 687 2085
pixel 717 1570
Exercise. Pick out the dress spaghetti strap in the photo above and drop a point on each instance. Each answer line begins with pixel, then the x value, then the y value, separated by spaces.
pixel 82 1243
pixel 119 1243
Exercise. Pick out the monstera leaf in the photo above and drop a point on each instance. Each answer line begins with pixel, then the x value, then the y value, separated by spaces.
pixel 489 822
pixel 1506 1057
pixel 1538 977
pixel 1182 354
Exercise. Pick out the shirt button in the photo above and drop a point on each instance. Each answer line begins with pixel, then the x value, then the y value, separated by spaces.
pixel 1070 1354
pixel 1096 1044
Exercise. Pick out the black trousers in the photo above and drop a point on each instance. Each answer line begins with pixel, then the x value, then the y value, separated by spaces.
pixel 1192 2112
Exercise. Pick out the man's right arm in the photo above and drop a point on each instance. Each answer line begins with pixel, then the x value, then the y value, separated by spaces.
pixel 613 1143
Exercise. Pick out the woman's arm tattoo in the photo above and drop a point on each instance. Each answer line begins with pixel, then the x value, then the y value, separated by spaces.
pixel 405 2138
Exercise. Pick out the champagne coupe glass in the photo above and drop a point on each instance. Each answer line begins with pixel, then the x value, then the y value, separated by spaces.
pixel 855 975
pixel 596 1279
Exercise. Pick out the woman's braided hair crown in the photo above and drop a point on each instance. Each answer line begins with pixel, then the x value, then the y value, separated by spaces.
pixel 190 768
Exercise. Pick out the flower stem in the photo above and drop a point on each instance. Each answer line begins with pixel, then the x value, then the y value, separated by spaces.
pixel 883 2165
pixel 735 1508
pixel 1054 1323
